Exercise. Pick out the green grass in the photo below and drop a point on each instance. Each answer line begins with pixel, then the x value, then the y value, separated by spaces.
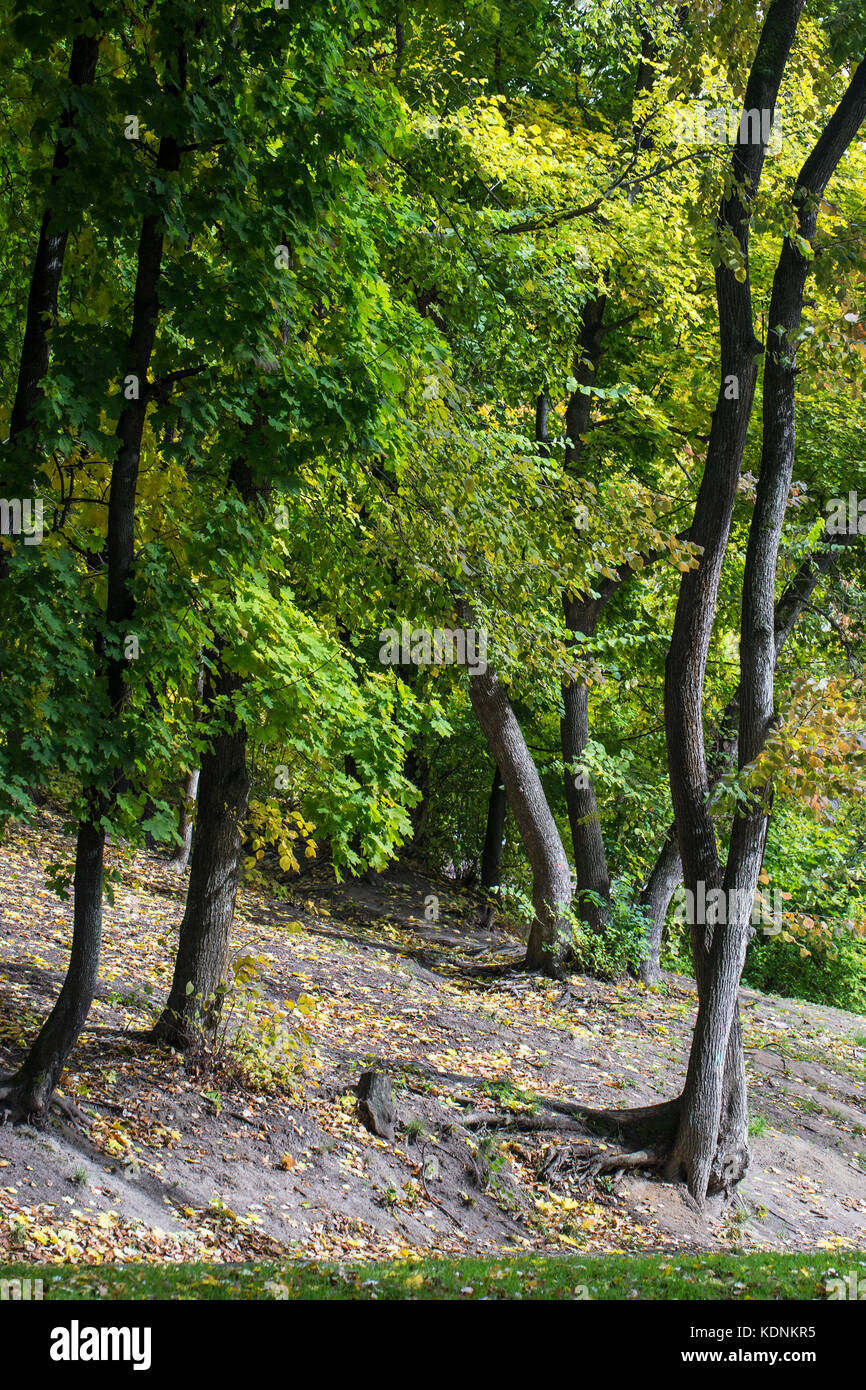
pixel 760 1275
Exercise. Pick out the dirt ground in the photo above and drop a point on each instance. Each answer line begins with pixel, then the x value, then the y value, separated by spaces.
pixel 153 1162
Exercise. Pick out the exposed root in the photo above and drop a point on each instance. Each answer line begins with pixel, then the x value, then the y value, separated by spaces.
pixel 524 1124
pixel 24 1103
pixel 20 1106
pixel 648 1125
pixel 588 1165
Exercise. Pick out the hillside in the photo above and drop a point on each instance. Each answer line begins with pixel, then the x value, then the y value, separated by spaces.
pixel 149 1160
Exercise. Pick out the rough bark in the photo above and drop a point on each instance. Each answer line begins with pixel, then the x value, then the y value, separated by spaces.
pixel 376 1109
pixel 193 1006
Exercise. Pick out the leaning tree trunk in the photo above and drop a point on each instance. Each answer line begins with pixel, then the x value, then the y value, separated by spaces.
pixel 660 887
pixel 30 1089
pixel 549 943
pixel 29 1092
pixel 667 871
pixel 193 1006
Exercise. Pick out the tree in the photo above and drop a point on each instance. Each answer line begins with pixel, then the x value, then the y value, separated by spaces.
pixel 29 1091
pixel 706 1126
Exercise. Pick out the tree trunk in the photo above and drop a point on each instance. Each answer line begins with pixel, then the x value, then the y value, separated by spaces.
pixel 28 1094
pixel 590 860
pixel 660 887
pixel 710 1149
pixel 491 853
pixel 417 771
pixel 549 943
pixel 186 820
pixel 711 1140
pixel 193 1007
pixel 667 872
pixel 50 254
pixel 186 817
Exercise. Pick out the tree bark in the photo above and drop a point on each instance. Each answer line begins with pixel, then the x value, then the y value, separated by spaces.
pixel 186 820
pixel 590 860
pixel 28 1094
pixel 186 817
pixel 660 887
pixel 192 1010
pixel 711 1147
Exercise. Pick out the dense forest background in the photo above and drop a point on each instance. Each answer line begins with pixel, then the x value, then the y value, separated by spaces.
pixel 434 432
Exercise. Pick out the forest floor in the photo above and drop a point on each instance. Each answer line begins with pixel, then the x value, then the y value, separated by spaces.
pixel 153 1162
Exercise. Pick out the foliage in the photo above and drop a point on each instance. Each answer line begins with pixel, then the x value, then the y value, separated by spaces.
pixel 621 946
pixel 257 1045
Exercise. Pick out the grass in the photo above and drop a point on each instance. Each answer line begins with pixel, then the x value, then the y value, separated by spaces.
pixel 758 1275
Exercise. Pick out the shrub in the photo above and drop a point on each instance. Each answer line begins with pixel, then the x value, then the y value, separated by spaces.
pixel 257 1045
pixel 622 944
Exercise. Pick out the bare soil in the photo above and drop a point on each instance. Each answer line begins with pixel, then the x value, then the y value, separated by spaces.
pixel 152 1161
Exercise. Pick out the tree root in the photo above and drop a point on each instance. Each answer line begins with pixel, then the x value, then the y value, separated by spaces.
pixel 647 1125
pixel 522 1124
pixel 587 1166
pixel 644 1136
pixel 21 1104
